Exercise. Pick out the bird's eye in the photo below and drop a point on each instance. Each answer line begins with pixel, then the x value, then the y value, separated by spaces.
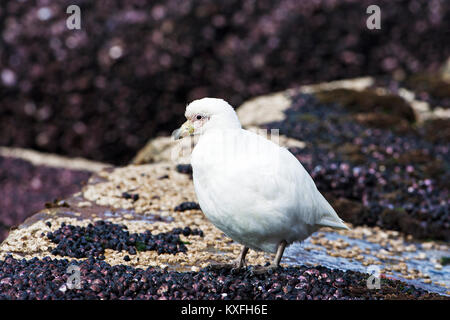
pixel 199 117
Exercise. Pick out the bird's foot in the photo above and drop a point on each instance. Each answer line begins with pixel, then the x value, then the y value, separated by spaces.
pixel 219 266
pixel 257 270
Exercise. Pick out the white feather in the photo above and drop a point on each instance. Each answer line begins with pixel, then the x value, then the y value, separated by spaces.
pixel 253 190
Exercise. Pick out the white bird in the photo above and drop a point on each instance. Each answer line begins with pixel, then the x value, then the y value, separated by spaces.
pixel 249 187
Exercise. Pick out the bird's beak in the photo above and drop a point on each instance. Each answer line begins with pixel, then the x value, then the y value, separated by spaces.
pixel 185 130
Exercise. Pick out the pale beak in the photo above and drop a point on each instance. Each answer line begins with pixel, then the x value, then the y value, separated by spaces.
pixel 185 130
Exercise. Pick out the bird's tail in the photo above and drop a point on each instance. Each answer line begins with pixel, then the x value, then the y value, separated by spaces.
pixel 333 223
pixel 330 218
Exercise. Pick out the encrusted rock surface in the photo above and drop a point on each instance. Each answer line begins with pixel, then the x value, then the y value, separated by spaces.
pixel 253 114
pixel 161 189
pixel 48 279
pixel 29 180
pixel 131 221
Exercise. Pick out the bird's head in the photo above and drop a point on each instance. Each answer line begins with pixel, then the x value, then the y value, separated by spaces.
pixel 207 114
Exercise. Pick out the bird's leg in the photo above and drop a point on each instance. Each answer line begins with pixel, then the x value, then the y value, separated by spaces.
pixel 237 264
pixel 240 262
pixel 276 262
pixel 280 251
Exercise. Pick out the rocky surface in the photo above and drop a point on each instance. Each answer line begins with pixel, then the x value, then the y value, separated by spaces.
pixel 137 231
pixel 47 243
pixel 47 279
pixel 374 166
pixel 29 181
pixel 380 156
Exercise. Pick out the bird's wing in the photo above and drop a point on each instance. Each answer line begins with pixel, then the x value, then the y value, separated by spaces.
pixel 277 180
pixel 312 205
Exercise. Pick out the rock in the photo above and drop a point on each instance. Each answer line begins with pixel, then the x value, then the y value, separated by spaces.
pixel 431 86
pixel 30 179
pixel 52 160
pixel 369 100
pixel 153 212
pixel 348 210
pixel 141 201
pixel 445 70
pixel 271 108
pixel 438 130
pixel 165 149
pixel 155 150
pixel 368 104
pixel 383 121
pixel 253 114
pixel 264 109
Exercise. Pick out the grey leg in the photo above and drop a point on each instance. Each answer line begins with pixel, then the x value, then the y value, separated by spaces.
pixel 241 259
pixel 238 263
pixel 276 262
pixel 280 251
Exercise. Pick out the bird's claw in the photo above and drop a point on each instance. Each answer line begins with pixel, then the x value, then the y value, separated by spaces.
pixel 258 270
pixel 236 266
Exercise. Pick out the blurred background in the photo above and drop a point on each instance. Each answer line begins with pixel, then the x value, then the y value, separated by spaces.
pixel 101 92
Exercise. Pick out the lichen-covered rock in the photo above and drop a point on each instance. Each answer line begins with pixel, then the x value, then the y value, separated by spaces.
pixel 55 232
pixel 145 217
pixel 253 115
pixel 29 180
pixel 160 189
